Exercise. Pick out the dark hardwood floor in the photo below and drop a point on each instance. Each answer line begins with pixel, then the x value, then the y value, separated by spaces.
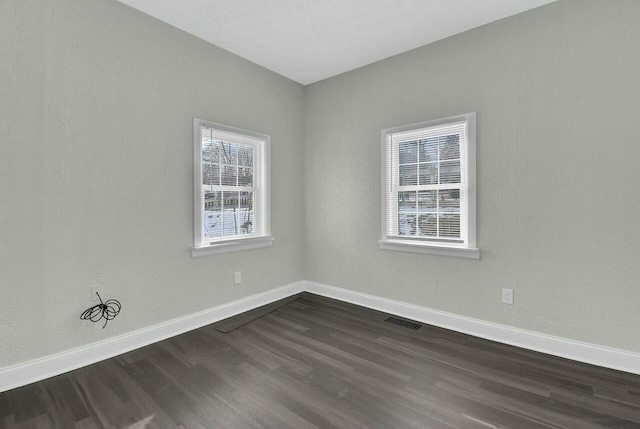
pixel 320 363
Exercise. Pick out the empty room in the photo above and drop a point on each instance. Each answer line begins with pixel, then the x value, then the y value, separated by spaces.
pixel 319 214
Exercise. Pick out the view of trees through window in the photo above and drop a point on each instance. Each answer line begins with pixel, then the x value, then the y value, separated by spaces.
pixel 426 208
pixel 228 186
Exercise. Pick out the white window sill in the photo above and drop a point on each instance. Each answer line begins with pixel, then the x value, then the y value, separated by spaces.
pixel 429 248
pixel 232 246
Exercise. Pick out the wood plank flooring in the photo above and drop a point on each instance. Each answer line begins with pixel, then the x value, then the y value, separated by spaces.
pixel 321 363
pixel 233 323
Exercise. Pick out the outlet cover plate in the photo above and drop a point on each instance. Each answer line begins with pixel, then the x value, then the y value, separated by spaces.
pixel 507 296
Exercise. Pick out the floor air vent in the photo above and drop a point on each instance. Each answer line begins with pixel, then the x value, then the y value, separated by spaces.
pixel 403 322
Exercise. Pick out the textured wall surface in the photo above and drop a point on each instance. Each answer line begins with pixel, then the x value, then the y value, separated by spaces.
pixel 96 108
pixel 97 104
pixel 556 91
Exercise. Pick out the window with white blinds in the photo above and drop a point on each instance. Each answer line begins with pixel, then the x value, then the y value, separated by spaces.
pixel 429 183
pixel 231 188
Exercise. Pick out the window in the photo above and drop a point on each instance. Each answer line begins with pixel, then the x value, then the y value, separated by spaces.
pixel 231 189
pixel 429 187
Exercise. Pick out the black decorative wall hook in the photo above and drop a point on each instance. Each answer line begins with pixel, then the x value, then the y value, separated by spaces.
pixel 105 310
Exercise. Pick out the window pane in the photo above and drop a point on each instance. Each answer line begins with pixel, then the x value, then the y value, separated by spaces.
pixel 212 224
pixel 210 151
pixel 245 156
pixel 212 214
pixel 450 147
pixel 246 201
pixel 229 175
pixel 407 201
pixel 244 215
pixel 449 200
pixel 428 173
pixel 408 152
pixel 244 220
pixel 210 174
pixel 427 201
pixel 229 153
pixel 407 224
pixel 245 176
pixel 229 222
pixel 450 172
pixel 428 150
pixel 212 201
pixel 231 202
pixel 216 148
pixel 210 161
pixel 408 175
pixel 449 225
pixel 427 225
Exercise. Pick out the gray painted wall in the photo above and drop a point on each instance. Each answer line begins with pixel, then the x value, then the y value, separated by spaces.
pixel 96 116
pixel 96 108
pixel 556 91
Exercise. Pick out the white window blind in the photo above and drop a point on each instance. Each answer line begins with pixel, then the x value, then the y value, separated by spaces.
pixel 426 184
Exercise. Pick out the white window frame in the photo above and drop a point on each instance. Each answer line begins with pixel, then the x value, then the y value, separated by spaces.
pixel 261 193
pixel 466 247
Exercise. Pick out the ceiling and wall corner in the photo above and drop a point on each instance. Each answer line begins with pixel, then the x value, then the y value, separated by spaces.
pixel 310 40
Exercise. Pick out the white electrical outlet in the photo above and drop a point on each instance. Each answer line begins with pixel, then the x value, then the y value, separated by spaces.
pixel 96 289
pixel 507 296
pixel 238 277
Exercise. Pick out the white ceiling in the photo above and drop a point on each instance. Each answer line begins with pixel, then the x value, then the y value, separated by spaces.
pixel 311 40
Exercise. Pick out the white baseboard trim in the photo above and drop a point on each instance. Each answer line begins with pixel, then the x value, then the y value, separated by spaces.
pixel 59 363
pixel 607 357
